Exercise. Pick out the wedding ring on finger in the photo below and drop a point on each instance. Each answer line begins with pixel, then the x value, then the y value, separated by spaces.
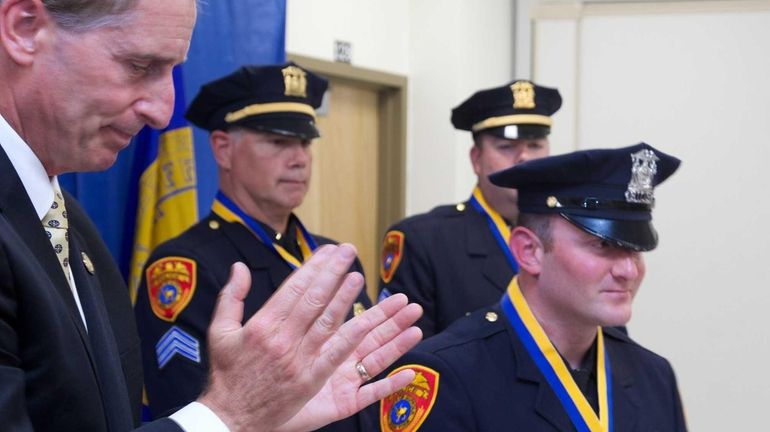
pixel 362 372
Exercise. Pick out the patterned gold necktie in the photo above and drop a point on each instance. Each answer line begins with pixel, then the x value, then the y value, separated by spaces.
pixel 56 226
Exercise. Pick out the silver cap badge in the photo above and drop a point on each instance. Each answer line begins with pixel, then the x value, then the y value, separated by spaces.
pixel 643 168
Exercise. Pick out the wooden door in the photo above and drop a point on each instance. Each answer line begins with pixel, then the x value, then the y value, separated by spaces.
pixel 343 196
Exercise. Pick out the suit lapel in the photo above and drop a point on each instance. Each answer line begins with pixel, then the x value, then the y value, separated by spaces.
pixel 481 245
pixel 626 401
pixel 18 209
pixel 547 404
pixel 256 255
pixel 105 356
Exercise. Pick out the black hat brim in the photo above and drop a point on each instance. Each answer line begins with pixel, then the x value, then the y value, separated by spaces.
pixel 287 126
pixel 637 235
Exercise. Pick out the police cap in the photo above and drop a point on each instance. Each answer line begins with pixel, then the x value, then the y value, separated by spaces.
pixel 278 99
pixel 519 109
pixel 606 192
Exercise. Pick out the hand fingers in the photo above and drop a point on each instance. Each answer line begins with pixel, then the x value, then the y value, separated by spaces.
pixel 228 313
pixel 334 314
pixel 379 389
pixel 386 331
pixel 381 358
pixel 283 301
pixel 319 295
pixel 347 338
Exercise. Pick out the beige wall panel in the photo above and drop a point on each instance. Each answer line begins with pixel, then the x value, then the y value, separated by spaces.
pixel 342 201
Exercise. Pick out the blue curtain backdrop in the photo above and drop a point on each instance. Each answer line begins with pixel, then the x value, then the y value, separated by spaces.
pixel 228 34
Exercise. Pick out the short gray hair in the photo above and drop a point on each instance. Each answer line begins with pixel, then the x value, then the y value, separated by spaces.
pixel 83 15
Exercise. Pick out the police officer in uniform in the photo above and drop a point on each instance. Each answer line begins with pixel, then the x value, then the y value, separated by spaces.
pixel 261 122
pixel 454 259
pixel 546 357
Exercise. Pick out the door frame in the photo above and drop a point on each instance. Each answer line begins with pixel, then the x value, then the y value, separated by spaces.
pixel 392 100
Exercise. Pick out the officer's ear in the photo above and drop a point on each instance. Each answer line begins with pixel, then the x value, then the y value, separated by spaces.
pixel 222 146
pixel 528 250
pixel 23 26
pixel 475 153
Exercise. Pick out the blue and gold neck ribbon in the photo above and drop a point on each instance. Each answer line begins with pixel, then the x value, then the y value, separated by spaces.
pixel 497 225
pixel 229 211
pixel 552 366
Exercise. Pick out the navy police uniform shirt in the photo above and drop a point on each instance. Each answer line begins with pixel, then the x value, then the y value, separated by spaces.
pixel 197 264
pixel 448 261
pixel 478 376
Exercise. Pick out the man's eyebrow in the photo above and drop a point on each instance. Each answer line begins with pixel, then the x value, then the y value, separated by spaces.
pixel 155 58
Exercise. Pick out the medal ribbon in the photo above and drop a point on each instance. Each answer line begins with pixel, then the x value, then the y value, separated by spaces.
pixel 499 228
pixel 230 212
pixel 551 365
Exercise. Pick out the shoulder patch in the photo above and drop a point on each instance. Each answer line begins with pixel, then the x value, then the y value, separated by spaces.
pixel 406 409
pixel 170 285
pixel 392 250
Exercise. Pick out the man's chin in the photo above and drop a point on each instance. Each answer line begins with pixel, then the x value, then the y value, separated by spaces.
pixel 101 163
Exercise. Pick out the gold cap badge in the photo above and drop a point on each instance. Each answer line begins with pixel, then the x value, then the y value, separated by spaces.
pixel 523 94
pixel 294 81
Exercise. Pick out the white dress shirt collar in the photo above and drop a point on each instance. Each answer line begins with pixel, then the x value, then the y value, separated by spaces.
pixel 29 169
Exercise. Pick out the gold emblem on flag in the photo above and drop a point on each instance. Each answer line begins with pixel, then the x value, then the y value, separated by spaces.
pixel 523 94
pixel 294 81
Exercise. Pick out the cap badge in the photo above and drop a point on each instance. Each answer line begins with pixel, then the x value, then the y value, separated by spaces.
pixel 643 168
pixel 294 81
pixel 523 94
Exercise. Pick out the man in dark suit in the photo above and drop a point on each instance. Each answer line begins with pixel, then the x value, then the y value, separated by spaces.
pixel 548 356
pixel 454 259
pixel 79 79
pixel 261 121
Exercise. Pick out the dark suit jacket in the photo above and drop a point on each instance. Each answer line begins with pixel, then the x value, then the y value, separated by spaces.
pixel 55 375
pixel 488 382
pixel 214 245
pixel 451 265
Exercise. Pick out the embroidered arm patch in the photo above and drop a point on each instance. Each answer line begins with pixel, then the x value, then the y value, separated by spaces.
pixel 406 409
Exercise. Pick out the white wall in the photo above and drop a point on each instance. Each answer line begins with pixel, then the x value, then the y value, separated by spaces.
pixel 691 79
pixel 446 48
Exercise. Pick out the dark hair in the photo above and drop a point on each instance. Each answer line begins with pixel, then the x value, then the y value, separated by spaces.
pixel 539 224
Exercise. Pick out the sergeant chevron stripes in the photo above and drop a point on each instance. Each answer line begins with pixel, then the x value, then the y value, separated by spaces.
pixel 176 341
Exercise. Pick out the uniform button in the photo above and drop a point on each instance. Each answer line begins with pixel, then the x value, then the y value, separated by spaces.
pixel 467 313
pixel 491 316
pixel 460 207
pixel 213 224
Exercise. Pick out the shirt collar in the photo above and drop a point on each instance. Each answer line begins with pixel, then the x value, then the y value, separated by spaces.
pixel 28 167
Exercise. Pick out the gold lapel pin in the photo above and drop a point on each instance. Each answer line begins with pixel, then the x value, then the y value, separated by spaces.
pixel 87 262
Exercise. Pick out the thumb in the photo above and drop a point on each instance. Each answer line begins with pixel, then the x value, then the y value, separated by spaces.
pixel 228 313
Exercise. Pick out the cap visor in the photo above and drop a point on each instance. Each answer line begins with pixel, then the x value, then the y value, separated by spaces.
pixel 636 235
pixel 295 127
